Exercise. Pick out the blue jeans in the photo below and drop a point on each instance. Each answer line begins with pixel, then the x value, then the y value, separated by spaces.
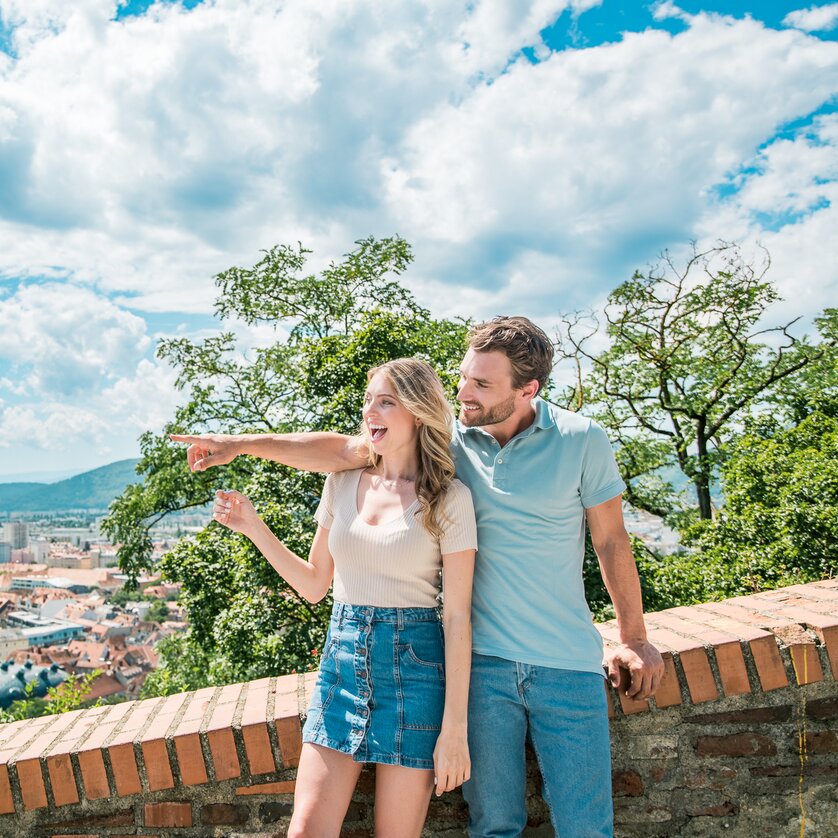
pixel 566 717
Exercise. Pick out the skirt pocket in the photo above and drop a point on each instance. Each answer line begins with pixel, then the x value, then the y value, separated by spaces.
pixel 422 682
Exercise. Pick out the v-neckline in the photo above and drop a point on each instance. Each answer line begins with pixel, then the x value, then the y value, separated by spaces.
pixel 383 523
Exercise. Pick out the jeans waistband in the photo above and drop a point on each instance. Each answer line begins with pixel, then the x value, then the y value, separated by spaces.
pixel 375 614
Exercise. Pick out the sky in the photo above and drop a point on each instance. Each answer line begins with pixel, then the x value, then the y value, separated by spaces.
pixel 533 152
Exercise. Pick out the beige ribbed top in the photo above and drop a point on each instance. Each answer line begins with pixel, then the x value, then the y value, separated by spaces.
pixel 395 564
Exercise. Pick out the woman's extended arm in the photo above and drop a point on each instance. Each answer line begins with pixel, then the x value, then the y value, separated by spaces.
pixel 314 451
pixel 452 765
pixel 310 579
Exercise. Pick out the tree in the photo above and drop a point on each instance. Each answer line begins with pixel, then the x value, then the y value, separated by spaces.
pixel 244 621
pixel 688 359
pixel 779 523
pixel 158 612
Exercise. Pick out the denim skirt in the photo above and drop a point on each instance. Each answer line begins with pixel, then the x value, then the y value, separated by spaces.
pixel 380 691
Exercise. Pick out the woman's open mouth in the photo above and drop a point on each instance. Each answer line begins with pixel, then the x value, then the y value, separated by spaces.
pixel 377 432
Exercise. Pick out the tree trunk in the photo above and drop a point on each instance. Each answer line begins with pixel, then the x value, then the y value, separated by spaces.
pixel 702 479
pixel 705 508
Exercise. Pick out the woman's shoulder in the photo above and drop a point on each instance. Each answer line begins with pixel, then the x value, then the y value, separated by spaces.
pixel 457 493
pixel 338 479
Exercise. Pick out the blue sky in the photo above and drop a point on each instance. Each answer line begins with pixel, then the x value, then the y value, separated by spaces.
pixel 534 152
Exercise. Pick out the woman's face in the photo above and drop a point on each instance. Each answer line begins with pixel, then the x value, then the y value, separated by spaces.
pixel 389 424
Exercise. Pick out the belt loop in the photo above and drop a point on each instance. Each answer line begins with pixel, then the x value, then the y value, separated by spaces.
pixel 340 615
pixel 400 612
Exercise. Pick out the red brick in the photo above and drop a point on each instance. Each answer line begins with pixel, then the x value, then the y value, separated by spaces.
pixel 31 784
pixel 809 770
pixel 735 745
pixel 123 817
pixel 125 773
pixel 136 719
pixel 61 779
pixel 663 638
pixel 669 691
pixel 257 745
pixel 255 705
pixel 157 769
pixel 750 716
pixel 280 787
pixel 804 657
pixel 159 726
pixel 721 810
pixel 93 775
pixel 225 760
pixel 822 742
pixel 7 803
pixel 822 709
pixel 286 699
pixel 190 758
pixel 769 664
pixel 626 784
pixel 713 616
pixel 24 732
pixel 628 704
pixel 699 676
pixel 224 813
pixel 168 814
pixel 731 664
pixel 829 637
pixel 290 736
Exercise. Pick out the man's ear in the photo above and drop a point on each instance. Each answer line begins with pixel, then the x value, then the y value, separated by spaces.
pixel 530 389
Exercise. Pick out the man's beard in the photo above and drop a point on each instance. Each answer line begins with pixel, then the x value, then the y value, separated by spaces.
pixel 488 416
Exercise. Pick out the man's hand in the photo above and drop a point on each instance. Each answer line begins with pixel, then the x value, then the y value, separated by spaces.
pixel 644 664
pixel 207 450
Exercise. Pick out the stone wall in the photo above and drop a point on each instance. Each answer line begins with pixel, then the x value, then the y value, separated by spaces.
pixel 741 740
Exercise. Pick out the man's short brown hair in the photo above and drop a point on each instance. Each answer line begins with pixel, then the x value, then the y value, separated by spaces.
pixel 527 346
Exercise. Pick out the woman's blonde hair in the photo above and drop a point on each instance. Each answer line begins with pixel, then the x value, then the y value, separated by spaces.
pixel 420 391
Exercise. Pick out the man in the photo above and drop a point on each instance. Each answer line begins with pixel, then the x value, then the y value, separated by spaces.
pixel 537 474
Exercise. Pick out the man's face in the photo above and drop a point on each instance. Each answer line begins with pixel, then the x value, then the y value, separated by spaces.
pixel 485 389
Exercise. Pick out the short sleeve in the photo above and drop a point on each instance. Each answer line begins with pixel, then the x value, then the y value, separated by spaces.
pixel 325 512
pixel 459 527
pixel 601 479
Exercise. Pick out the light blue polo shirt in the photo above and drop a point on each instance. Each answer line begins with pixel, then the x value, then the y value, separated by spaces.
pixel 530 498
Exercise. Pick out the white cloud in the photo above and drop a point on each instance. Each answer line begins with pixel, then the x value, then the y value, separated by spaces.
pixel 51 426
pixel 787 200
pixel 140 157
pixel 814 19
pixel 65 339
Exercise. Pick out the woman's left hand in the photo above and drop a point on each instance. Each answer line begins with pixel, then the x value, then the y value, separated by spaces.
pixel 452 765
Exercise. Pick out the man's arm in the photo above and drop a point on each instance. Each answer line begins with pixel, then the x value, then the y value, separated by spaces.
pixel 316 451
pixel 619 572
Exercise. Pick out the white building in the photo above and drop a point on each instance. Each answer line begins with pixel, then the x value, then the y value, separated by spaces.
pixel 16 533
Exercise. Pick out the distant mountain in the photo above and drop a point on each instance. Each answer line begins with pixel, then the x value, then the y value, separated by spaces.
pixel 39 476
pixel 92 491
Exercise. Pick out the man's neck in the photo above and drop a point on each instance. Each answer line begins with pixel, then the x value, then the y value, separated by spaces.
pixel 511 427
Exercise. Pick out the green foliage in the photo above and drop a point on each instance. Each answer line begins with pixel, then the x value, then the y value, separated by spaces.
pixel 244 621
pixel 687 360
pixel 67 696
pixel 158 612
pixel 779 524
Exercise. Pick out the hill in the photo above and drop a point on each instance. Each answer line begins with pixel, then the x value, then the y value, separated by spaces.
pixel 92 491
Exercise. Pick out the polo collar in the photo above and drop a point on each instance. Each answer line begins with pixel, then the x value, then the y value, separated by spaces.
pixel 543 420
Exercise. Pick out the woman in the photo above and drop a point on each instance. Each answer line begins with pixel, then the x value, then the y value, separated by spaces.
pixel 390 690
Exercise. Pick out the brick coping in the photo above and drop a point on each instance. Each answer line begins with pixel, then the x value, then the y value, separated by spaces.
pixel 249 734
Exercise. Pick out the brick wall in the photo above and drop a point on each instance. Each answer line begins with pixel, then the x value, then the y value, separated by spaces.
pixel 742 740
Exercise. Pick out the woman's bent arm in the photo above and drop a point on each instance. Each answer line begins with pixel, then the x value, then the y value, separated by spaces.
pixel 310 579
pixel 451 760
